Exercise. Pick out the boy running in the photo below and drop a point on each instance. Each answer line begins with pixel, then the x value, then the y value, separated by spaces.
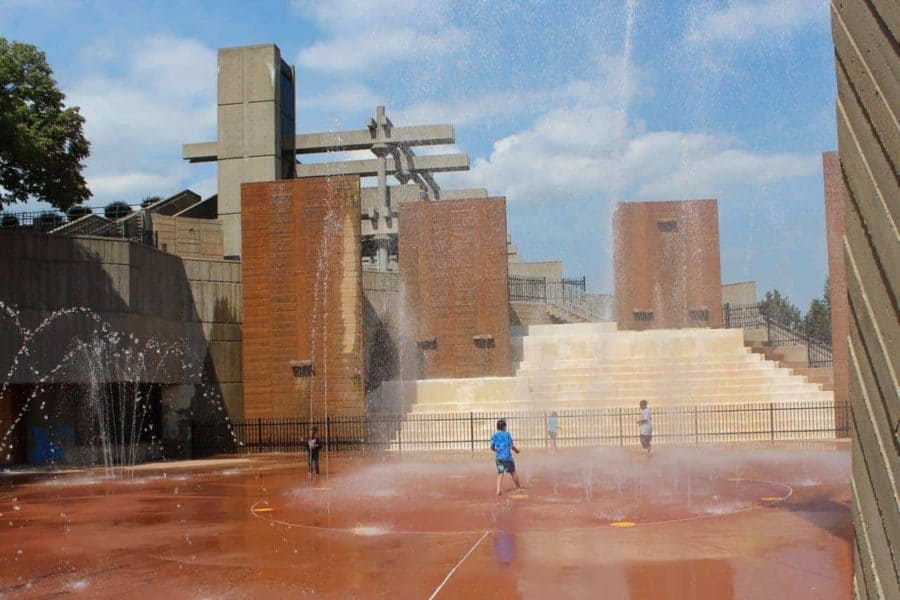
pixel 646 427
pixel 552 429
pixel 501 444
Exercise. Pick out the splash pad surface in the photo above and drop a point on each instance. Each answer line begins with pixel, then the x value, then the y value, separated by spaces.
pixel 708 522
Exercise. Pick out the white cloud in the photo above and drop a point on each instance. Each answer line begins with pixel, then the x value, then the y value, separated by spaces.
pixel 140 105
pixel 372 34
pixel 743 20
pixel 132 186
pixel 587 149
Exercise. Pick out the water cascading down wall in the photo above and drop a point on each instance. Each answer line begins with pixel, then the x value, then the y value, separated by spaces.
pixel 302 298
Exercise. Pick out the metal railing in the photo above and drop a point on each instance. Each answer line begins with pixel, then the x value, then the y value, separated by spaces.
pixel 568 295
pixel 585 427
pixel 749 316
pixel 48 220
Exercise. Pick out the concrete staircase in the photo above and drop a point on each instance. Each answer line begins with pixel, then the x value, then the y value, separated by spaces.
pixel 586 366
pixel 795 359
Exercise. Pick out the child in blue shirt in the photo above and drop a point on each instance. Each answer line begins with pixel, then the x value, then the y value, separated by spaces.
pixel 501 444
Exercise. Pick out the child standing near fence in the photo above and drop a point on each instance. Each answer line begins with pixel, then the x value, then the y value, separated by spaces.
pixel 645 424
pixel 552 429
pixel 313 445
pixel 501 444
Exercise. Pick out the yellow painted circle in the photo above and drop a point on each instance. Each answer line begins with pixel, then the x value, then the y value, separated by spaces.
pixel 263 509
pixel 518 495
pixel 622 524
pixel 321 489
pixel 736 479
pixel 771 498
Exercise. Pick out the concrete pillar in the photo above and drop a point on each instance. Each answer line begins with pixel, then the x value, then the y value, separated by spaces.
pixel 251 126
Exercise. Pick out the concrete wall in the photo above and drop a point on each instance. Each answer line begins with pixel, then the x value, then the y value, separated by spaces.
pixel 868 112
pixel 189 304
pixel 302 298
pixel 551 270
pixel 453 269
pixel 188 237
pixel 667 265
pixel 840 305
pixel 741 293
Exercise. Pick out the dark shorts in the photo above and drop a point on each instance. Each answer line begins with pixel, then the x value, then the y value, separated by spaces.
pixel 506 466
pixel 552 435
pixel 645 441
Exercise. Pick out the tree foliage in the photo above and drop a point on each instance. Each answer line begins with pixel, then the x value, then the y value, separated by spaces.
pixel 150 200
pixel 77 211
pixel 780 309
pixel 116 210
pixel 42 147
pixel 817 322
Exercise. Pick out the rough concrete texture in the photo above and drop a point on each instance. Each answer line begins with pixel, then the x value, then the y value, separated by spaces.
pixel 453 268
pixel 251 120
pixel 192 304
pixel 867 53
pixel 667 265
pixel 303 319
pixel 187 237
pixel 741 293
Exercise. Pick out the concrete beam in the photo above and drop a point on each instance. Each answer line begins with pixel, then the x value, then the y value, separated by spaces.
pixel 334 141
pixel 200 152
pixel 362 139
pixel 369 168
pixel 401 194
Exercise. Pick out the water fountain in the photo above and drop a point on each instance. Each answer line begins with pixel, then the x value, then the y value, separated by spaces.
pixel 111 388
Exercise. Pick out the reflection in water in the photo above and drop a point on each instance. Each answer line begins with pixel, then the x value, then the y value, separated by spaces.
pixel 504 547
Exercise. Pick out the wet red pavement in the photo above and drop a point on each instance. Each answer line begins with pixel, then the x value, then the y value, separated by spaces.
pixel 700 522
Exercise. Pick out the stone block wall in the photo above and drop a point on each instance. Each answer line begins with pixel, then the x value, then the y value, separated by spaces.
pixel 188 237
pixel 667 266
pixel 453 269
pixel 302 298
pixel 867 52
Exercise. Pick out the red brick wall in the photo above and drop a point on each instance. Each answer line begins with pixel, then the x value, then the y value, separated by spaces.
pixel 840 307
pixel 667 273
pixel 302 297
pixel 454 282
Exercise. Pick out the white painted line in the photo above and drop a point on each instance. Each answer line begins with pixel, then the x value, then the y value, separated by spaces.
pixel 453 570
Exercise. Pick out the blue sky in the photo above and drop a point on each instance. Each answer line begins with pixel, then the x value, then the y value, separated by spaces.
pixel 565 108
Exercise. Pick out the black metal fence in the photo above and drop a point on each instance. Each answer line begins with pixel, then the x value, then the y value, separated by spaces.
pixel 818 352
pixel 586 427
pixel 541 289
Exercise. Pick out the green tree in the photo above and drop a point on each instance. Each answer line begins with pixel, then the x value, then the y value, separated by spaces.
pixel 817 322
pixel 116 210
pixel 150 200
pixel 780 309
pixel 42 147
pixel 77 211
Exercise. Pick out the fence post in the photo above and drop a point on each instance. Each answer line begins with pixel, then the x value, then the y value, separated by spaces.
pixel 472 430
pixel 621 432
pixel 696 427
pixel 727 309
pixel 772 420
pixel 259 434
pixel 399 440
pixel 328 432
pixel 768 330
